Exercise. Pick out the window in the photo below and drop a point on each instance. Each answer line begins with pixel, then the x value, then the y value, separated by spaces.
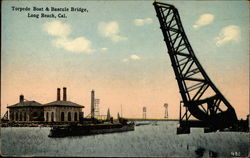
pixel 69 116
pixel 17 116
pixel 35 114
pixel 12 116
pixel 47 116
pixel 75 117
pixel 21 116
pixel 52 117
pixel 62 116
pixel 24 116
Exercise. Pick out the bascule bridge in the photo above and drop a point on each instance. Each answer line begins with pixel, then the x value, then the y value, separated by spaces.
pixel 201 99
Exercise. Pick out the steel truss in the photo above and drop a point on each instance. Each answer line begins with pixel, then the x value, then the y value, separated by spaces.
pixel 200 96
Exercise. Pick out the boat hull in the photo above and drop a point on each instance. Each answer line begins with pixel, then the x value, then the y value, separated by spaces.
pixel 84 130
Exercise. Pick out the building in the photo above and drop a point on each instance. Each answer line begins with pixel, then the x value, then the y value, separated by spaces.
pixel 62 110
pixel 56 111
pixel 26 111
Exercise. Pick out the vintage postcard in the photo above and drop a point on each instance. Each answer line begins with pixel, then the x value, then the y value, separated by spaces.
pixel 125 78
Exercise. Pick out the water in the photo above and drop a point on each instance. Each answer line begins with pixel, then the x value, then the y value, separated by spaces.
pixel 146 140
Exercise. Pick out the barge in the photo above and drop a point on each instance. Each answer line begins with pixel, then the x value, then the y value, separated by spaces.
pixel 90 129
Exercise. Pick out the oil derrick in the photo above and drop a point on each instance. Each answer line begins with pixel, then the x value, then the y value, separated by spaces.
pixel 200 97
pixel 144 112
pixel 166 110
pixel 96 109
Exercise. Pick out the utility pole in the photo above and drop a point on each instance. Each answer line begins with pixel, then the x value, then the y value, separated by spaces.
pixel 166 110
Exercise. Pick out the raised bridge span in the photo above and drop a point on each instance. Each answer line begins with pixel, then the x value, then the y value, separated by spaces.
pixel 200 97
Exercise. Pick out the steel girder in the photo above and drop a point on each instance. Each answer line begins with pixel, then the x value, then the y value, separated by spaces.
pixel 199 95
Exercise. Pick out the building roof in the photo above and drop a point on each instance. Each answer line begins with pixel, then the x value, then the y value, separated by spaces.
pixel 63 103
pixel 26 104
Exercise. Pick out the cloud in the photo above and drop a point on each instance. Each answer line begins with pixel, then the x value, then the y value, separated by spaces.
pixel 57 28
pixel 125 60
pixel 203 20
pixel 62 32
pixel 104 49
pixel 132 57
pixel 79 44
pixel 141 22
pixel 135 57
pixel 111 30
pixel 227 34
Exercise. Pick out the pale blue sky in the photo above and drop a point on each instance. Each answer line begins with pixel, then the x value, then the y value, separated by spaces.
pixel 29 59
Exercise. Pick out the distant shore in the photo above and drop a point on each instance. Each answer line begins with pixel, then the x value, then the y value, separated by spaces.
pixel 50 124
pixel 150 119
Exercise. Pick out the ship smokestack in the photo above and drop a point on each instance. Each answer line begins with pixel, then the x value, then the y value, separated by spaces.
pixel 92 104
pixel 21 98
pixel 64 94
pixel 58 94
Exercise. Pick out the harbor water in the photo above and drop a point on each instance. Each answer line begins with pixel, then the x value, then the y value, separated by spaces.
pixel 148 140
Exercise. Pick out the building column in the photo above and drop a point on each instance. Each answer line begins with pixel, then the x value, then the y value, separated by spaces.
pixel 18 116
pixel 44 116
pixel 28 116
pixel 49 116
pixel 55 116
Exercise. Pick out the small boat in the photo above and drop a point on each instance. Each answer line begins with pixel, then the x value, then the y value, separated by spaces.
pixel 141 123
pixel 90 129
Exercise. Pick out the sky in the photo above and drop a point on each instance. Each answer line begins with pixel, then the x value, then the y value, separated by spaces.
pixel 117 49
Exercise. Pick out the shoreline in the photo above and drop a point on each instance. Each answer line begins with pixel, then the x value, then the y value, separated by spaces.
pixel 52 124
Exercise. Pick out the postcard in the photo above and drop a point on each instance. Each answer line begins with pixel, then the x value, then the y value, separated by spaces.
pixel 125 78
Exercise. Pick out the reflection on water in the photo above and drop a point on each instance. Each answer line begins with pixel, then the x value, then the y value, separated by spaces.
pixel 148 140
